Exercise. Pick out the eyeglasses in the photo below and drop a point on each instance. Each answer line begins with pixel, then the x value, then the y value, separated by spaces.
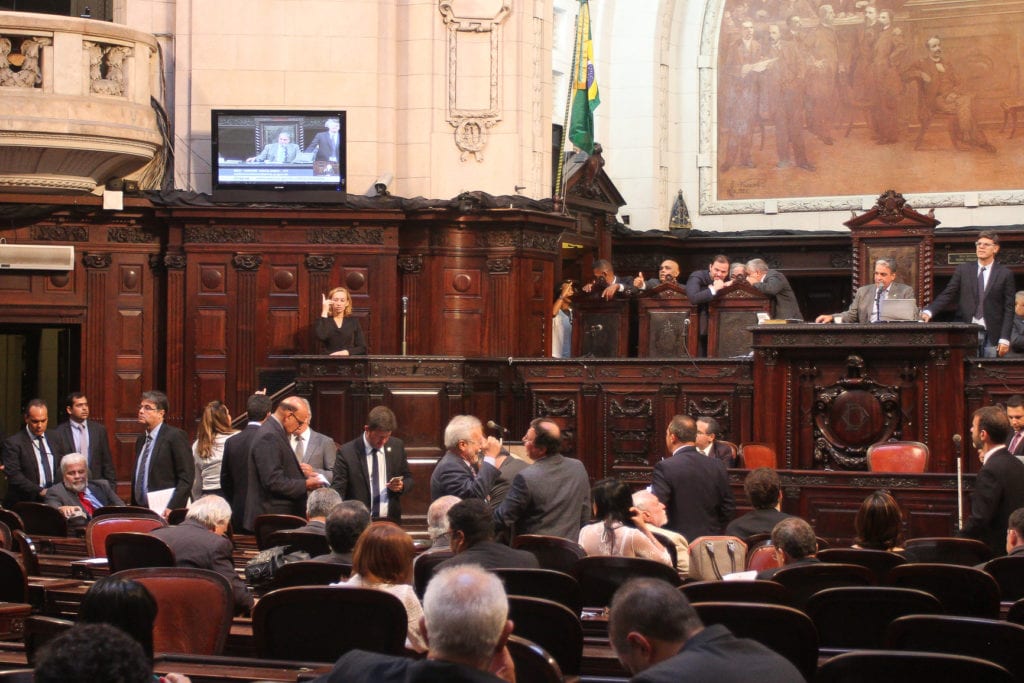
pixel 147 409
pixel 297 420
pixel 984 245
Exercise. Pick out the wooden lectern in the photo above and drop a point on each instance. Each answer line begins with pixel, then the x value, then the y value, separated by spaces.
pixel 666 322
pixel 730 315
pixel 601 328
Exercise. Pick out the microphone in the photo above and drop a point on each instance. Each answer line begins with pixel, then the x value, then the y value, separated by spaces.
pixel 491 424
pixel 959 481
pixel 405 304
pixel 956 440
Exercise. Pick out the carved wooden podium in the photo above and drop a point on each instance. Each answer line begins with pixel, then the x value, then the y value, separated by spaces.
pixel 601 328
pixel 666 323
pixel 826 393
pixel 730 315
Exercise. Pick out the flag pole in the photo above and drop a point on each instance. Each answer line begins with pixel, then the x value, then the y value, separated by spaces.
pixel 559 198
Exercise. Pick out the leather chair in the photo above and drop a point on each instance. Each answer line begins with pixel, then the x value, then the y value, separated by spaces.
pixel 334 621
pixel 42 520
pixel 804 580
pixel 6 539
pixel 890 666
pixel 1008 572
pixel 552 552
pixel 760 592
pixel 855 617
pixel 600 576
pixel 878 561
pixel 423 569
pixel 126 511
pixel 963 591
pixel 947 550
pixel 98 528
pixel 313 543
pixel 761 558
pixel 756 455
pixel 194 608
pixel 266 525
pixel 543 583
pixel 13 579
pixel 309 573
pixel 12 519
pixel 997 641
pixel 778 627
pixel 898 456
pixel 29 555
pixel 132 550
pixel 533 663
pixel 17 676
pixel 733 448
pixel 1015 615
pixel 550 625
pixel 40 630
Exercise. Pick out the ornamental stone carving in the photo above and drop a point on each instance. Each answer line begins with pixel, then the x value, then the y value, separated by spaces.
pixel 131 235
pixel 410 265
pixel 210 234
pixel 319 262
pixel 352 235
pixel 247 262
pixel 93 260
pixel 59 233
pixel 499 266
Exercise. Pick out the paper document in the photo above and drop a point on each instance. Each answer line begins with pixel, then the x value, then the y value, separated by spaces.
pixel 158 500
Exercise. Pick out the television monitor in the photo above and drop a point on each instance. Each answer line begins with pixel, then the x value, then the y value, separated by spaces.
pixel 278 155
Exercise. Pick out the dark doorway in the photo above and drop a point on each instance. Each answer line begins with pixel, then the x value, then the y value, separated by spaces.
pixel 37 361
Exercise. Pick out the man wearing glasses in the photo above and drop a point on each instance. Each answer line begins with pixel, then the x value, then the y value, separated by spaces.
pixel 984 292
pixel 276 482
pixel 163 457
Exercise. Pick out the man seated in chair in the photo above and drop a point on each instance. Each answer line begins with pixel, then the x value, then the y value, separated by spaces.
pixel 199 542
pixel 283 151
pixel 465 621
pixel 472 533
pixel 319 504
pixel 794 543
pixel 345 523
pixel 1015 533
pixel 764 490
pixel 656 517
pixel 76 497
pixel 708 444
pixel 658 637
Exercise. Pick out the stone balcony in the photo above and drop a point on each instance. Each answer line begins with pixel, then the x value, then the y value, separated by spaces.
pixel 75 106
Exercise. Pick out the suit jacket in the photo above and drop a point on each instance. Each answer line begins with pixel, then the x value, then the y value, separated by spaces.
pixel 357 666
pixel 715 654
pixel 348 336
pixel 698 291
pixel 170 465
pixel 196 546
pixel 269 152
pixel 720 451
pixel 58 495
pixel 1020 447
pixel 314 527
pixel 276 483
pixel 863 304
pixel 323 147
pixel 998 491
pixel 491 555
pixel 755 522
pixel 784 303
pixel 695 491
pixel 101 462
pixel 24 482
pixel 320 453
pixel 453 476
pixel 506 473
pixel 1017 336
pixel 234 474
pixel 550 497
pixel 998 304
pixel 352 478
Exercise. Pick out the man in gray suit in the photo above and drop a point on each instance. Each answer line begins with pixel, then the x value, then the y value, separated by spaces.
pixel 75 496
pixel 551 496
pixel 316 451
pixel 283 151
pixel 867 302
pixel 776 286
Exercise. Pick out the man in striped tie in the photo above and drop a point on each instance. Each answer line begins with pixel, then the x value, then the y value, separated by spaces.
pixel 1015 411
pixel 75 496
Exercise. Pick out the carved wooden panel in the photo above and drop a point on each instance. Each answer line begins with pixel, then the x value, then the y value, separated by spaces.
pixel 130 331
pixel 283 331
pixel 211 332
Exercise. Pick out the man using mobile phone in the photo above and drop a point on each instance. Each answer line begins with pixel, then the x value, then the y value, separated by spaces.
pixel 373 467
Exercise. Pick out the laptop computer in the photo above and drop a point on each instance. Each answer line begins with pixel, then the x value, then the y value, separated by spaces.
pixel 898 310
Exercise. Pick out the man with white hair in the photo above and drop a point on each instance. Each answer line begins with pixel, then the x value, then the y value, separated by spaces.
pixel 76 497
pixel 867 301
pixel 319 504
pixel 655 517
pixel 199 542
pixel 775 285
pixel 456 473
pixel 437 523
pixel 465 621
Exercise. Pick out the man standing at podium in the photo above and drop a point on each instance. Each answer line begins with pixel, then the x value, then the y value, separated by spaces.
pixel 984 292
pixel 867 302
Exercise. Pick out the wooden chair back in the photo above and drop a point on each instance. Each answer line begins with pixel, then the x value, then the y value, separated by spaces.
pixel 760 592
pixel 763 557
pixel 313 543
pixel 133 550
pixel 266 525
pixel 42 520
pixel 878 561
pixel 804 580
pixel 543 583
pixel 13 579
pixel 1015 615
pixel 552 552
pixel 890 666
pixel 98 528
pixel 947 550
pixel 855 617
pixel 1008 572
pixel 552 626
pixel 898 456
pixel 309 573
pixel 29 555
pixel 423 569
pixel 754 455
pixel 963 591
pixel 533 663
pixel 600 576
pixel 12 519
pixel 6 539
pixel 39 630
pixel 960 636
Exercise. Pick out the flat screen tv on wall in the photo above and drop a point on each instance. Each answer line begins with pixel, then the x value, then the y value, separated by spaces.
pixel 278 155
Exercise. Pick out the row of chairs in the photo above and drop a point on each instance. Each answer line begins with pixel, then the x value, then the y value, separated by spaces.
pixel 889 456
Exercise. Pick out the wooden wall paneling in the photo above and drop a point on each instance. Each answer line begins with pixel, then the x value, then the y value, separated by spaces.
pixel 319 268
pixel 502 299
pixel 244 305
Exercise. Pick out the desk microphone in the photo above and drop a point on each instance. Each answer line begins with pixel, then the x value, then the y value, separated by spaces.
pixel 491 424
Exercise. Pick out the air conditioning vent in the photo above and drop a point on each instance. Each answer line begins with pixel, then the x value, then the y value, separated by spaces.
pixel 36 257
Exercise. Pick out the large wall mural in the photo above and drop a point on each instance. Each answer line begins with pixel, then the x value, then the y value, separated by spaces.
pixel 817 106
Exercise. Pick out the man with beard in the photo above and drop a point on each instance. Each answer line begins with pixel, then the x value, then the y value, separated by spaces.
pixel 999 489
pixel 76 497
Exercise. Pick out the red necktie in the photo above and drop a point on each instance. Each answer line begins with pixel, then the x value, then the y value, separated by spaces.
pixel 1015 441
pixel 86 505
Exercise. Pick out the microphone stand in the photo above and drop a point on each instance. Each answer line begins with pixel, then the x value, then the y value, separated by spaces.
pixel 405 321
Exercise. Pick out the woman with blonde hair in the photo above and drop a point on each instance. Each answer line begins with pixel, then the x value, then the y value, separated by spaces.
pixel 383 560
pixel 341 334
pixel 208 450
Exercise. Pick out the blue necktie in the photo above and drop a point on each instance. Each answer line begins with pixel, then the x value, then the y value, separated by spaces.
pixel 44 457
pixel 374 484
pixel 142 475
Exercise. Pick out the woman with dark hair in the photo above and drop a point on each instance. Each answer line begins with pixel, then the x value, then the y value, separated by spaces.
pixel 383 560
pixel 123 603
pixel 621 530
pixel 878 523
pixel 208 450
pixel 341 334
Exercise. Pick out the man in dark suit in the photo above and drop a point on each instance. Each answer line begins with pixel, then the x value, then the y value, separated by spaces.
pixel 668 271
pixel 199 542
pixel 606 281
pixel 163 456
pixel 88 437
pixel 458 601
pixel 764 490
pixel 375 461
pixel 31 457
pixel 328 144
pixel 1015 413
pixel 701 288
pixel 319 504
pixel 694 488
pixel 707 442
pixel 472 530
pixel 999 488
pixel 867 301
pixel 234 469
pixel 455 473
pixel 76 496
pixel 659 638
pixel 344 525
pixel 990 306
pixel 1017 331
pixel 551 496
pixel 795 544
pixel 776 286
pixel 276 482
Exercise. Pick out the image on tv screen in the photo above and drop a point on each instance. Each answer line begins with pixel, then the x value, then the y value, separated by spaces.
pixel 278 149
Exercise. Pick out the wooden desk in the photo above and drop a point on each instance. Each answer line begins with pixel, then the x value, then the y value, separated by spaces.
pixel 210 668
